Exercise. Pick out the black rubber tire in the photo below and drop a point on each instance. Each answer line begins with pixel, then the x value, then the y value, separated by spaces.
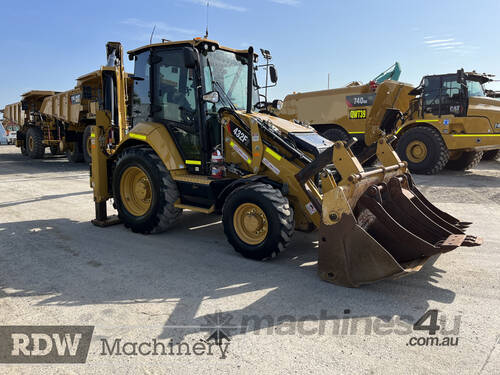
pixel 491 155
pixel 86 135
pixel 24 151
pixel 38 150
pixel 336 134
pixel 75 155
pixel 437 152
pixel 466 160
pixel 54 150
pixel 162 214
pixel 278 211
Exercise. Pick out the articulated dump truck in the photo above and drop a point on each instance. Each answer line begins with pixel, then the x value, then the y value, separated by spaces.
pixel 196 140
pixel 60 121
pixel 448 119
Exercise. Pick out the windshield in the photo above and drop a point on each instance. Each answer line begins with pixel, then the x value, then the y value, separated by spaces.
pixel 475 88
pixel 230 71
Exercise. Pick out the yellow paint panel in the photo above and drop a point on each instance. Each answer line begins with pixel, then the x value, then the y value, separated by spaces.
pixel 137 136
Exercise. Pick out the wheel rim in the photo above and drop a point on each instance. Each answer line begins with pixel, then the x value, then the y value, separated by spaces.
pixel 89 146
pixel 416 151
pixel 31 143
pixel 250 223
pixel 135 191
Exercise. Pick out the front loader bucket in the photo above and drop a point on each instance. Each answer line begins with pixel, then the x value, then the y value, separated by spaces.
pixel 388 231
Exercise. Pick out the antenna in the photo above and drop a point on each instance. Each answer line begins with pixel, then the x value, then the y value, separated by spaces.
pixel 206 30
pixel 152 33
pixel 328 81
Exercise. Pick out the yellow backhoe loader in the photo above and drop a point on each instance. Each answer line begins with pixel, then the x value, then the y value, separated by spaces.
pixel 195 140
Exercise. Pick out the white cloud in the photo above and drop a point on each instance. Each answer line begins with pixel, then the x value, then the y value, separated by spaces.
pixel 292 3
pixel 219 4
pixel 438 41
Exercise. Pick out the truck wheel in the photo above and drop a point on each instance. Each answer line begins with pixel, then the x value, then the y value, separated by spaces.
pixel 75 154
pixel 464 160
pixel 54 150
pixel 336 134
pixel 424 150
pixel 144 192
pixel 24 150
pixel 86 144
pixel 35 147
pixel 258 221
pixel 491 155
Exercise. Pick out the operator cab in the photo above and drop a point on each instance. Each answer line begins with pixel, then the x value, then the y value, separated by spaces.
pixel 448 94
pixel 171 81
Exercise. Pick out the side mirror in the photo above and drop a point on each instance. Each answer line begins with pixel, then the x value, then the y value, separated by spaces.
pixel 278 104
pixel 461 77
pixel 211 97
pixel 189 58
pixel 273 74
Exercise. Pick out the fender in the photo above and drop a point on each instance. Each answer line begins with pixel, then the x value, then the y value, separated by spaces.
pixel 159 139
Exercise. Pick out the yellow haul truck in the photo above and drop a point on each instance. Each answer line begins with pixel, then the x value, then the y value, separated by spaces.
pixel 196 141
pixel 449 121
pixel 60 121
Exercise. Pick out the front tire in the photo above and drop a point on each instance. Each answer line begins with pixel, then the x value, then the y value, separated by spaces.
pixel 464 160
pixel 144 191
pixel 424 150
pixel 35 147
pixel 491 155
pixel 258 221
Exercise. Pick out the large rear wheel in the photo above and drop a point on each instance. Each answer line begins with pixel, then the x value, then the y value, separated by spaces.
pixel 491 155
pixel 258 221
pixel 424 150
pixel 144 192
pixel 34 140
pixel 463 160
pixel 86 144
pixel 74 153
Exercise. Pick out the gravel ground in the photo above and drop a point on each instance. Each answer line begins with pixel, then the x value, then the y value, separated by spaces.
pixel 56 268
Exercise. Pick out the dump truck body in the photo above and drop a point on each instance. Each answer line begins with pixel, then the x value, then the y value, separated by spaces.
pixel 58 120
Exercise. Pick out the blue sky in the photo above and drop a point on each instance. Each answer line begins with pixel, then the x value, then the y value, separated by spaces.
pixel 46 45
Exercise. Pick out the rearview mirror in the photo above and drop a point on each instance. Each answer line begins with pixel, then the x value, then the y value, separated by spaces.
pixel 273 74
pixel 211 97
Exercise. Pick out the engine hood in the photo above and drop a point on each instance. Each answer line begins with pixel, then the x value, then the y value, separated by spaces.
pixel 284 126
pixel 486 107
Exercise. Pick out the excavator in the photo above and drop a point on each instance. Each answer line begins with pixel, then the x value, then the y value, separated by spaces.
pixel 192 135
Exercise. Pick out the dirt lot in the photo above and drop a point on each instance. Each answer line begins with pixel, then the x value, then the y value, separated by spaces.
pixel 56 268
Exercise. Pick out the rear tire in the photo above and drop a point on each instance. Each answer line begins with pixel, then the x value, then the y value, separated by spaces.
pixel 34 139
pixel 491 155
pixel 161 190
pixel 270 224
pixel 86 145
pixel 75 154
pixel 466 160
pixel 424 150
pixel 54 150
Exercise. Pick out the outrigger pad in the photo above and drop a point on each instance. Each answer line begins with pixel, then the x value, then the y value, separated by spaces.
pixel 391 232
